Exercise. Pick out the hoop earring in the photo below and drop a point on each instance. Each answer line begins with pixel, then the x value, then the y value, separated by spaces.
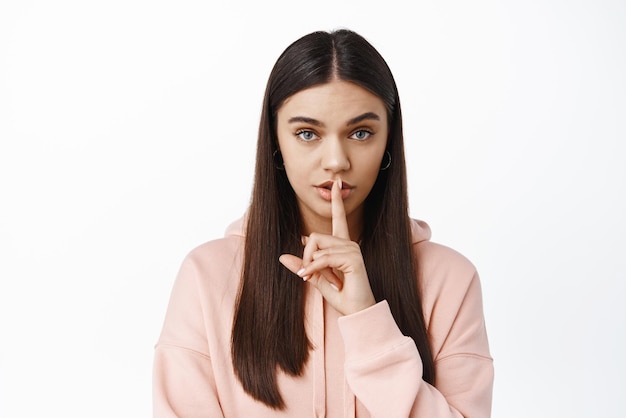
pixel 388 163
pixel 277 156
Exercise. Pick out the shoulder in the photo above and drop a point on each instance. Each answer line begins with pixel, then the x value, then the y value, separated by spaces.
pixel 211 270
pixel 203 294
pixel 447 279
pixel 219 252
pixel 442 269
pixel 436 262
pixel 215 251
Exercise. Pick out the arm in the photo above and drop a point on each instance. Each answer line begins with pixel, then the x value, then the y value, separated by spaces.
pixel 384 368
pixel 183 381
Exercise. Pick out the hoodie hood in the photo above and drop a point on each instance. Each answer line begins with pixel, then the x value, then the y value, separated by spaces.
pixel 237 228
pixel 420 231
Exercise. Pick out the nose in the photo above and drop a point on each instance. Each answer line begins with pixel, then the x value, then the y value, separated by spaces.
pixel 334 156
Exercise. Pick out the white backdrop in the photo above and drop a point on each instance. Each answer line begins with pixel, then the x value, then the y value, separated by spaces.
pixel 127 137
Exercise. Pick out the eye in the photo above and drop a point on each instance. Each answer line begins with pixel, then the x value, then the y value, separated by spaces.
pixel 306 135
pixel 361 134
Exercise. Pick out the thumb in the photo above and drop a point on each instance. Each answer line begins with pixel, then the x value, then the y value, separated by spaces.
pixel 293 263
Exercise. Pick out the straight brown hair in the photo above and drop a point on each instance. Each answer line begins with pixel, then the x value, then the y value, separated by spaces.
pixel 268 330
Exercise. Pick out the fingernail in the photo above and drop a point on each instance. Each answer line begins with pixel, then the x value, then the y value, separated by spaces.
pixel 299 273
pixel 340 183
pixel 334 287
pixel 305 278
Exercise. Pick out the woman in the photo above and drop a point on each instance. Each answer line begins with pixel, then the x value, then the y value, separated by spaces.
pixel 326 299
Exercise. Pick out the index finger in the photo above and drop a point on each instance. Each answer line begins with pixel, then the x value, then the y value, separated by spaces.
pixel 339 221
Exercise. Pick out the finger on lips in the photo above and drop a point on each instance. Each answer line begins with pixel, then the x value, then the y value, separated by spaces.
pixel 339 221
pixel 318 246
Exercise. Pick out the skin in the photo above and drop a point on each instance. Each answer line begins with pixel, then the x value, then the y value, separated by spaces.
pixel 334 134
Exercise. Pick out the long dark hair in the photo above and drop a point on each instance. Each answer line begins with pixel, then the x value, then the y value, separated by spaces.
pixel 268 329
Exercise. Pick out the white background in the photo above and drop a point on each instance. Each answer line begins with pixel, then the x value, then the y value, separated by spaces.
pixel 127 137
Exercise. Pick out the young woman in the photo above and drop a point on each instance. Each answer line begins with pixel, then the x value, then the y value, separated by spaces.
pixel 326 299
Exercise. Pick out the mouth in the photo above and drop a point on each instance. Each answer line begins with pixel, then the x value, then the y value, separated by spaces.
pixel 324 189
pixel 328 185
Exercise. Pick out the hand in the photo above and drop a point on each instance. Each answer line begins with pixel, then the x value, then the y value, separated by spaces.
pixel 334 264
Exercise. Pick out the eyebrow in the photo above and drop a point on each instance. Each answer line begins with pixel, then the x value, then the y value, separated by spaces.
pixel 364 116
pixel 355 120
pixel 304 119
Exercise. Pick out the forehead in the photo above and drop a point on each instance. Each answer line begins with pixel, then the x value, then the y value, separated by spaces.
pixel 333 100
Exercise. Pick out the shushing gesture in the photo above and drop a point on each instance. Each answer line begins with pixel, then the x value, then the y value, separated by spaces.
pixel 334 264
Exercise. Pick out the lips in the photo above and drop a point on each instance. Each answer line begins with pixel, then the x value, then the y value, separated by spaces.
pixel 329 185
pixel 324 189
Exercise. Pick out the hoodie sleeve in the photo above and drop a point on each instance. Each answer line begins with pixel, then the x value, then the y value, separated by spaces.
pixel 183 381
pixel 384 368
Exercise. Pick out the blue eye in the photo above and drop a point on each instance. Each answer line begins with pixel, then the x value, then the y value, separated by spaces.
pixel 306 136
pixel 361 134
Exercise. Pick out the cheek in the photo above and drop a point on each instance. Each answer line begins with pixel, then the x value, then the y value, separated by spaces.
pixel 295 175
pixel 371 166
pixel 294 165
pixel 298 160
pixel 288 151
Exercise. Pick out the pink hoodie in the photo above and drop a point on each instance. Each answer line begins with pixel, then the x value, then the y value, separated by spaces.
pixel 361 364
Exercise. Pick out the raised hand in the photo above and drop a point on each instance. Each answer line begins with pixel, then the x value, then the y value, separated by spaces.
pixel 334 264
